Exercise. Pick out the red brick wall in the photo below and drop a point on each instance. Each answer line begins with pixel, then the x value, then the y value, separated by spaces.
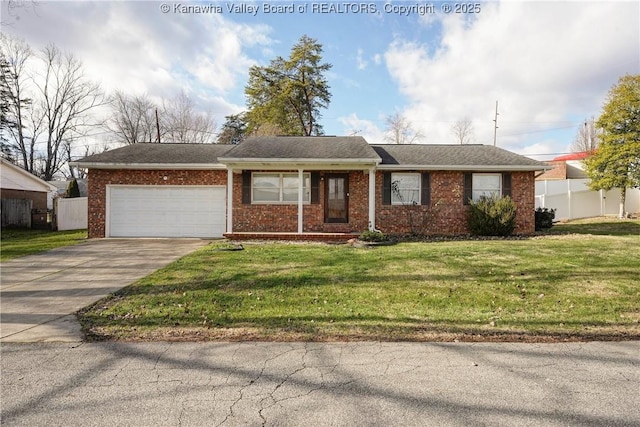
pixel 447 214
pixel 100 178
pixel 277 218
pixel 559 171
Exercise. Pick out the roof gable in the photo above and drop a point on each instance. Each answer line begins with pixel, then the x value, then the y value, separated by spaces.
pixel 302 148
pixel 15 178
pixel 154 155
pixel 453 157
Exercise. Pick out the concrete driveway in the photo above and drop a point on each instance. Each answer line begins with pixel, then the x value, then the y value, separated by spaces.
pixel 39 293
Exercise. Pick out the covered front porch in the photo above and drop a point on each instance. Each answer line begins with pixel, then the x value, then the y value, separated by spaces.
pixel 315 237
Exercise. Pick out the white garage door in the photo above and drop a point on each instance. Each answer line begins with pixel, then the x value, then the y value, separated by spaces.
pixel 164 211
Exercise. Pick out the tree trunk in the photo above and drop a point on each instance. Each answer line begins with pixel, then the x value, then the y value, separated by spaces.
pixel 623 197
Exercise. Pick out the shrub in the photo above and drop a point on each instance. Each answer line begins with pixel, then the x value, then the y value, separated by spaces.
pixel 544 218
pixel 373 236
pixel 492 216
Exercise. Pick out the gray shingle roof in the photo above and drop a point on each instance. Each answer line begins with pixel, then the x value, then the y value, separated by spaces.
pixel 304 148
pixel 436 156
pixel 148 153
pixel 322 149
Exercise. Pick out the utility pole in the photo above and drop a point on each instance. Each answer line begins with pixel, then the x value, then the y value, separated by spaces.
pixel 158 127
pixel 495 126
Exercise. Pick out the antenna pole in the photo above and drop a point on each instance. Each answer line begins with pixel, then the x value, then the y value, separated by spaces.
pixel 158 126
pixel 495 126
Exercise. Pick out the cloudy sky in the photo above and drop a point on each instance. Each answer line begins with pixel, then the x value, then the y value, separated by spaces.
pixel 548 64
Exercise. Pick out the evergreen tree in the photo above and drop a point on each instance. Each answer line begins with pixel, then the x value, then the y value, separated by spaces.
pixel 289 93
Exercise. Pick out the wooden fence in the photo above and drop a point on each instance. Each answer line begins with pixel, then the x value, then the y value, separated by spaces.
pixel 16 213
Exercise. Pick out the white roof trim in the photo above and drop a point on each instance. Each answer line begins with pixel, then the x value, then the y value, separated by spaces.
pixel 149 166
pixel 307 164
pixel 287 160
pixel 39 182
pixel 490 168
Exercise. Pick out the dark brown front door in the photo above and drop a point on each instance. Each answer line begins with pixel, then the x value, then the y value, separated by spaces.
pixel 336 206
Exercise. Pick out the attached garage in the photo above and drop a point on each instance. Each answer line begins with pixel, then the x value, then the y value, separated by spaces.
pixel 165 211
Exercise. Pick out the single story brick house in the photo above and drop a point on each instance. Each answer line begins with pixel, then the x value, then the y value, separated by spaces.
pixel 299 187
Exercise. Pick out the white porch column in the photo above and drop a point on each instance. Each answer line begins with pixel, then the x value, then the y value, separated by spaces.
pixel 300 200
pixel 229 200
pixel 372 199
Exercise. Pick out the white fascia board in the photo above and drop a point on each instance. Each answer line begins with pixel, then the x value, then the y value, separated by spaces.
pixel 28 176
pixel 487 168
pixel 150 166
pixel 307 164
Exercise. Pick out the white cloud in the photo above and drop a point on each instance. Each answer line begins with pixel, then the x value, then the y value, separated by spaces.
pixel 133 47
pixel 353 125
pixel 548 64
pixel 362 64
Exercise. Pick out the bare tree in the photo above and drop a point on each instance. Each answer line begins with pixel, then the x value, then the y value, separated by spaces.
pixel 133 118
pixel 15 55
pixel 183 124
pixel 66 98
pixel 399 130
pixel 463 131
pixel 137 119
pixel 48 107
pixel 587 138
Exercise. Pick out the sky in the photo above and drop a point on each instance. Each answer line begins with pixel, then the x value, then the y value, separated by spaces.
pixel 547 65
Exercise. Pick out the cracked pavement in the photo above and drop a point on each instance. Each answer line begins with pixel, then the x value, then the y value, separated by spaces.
pixel 320 384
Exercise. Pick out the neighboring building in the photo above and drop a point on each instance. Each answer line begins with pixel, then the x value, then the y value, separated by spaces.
pixel 61 189
pixel 18 184
pixel 565 188
pixel 568 166
pixel 299 187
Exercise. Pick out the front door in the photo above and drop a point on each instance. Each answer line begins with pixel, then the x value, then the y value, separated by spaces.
pixel 336 206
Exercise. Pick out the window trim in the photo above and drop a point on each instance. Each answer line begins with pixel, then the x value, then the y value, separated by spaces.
pixel 505 185
pixel 306 176
pixel 474 189
pixel 418 175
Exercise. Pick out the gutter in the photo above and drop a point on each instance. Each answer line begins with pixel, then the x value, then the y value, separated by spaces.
pixel 149 166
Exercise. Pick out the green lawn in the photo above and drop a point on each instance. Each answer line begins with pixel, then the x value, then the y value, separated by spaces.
pixel 17 243
pixel 582 285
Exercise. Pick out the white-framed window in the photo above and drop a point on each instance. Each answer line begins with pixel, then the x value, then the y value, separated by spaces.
pixel 405 188
pixel 486 184
pixel 275 187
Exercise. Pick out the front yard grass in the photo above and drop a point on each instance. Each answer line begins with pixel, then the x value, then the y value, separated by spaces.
pixel 578 286
pixel 17 243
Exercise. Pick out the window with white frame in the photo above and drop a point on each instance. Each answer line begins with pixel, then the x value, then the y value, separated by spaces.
pixel 486 184
pixel 405 188
pixel 270 187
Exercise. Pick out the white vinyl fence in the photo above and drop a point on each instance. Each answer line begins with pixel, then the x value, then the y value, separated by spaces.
pixel 71 214
pixel 573 199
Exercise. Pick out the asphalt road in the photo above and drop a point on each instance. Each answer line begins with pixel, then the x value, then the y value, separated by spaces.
pixel 314 384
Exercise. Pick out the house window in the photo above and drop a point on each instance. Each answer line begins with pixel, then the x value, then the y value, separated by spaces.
pixel 279 187
pixel 405 188
pixel 486 184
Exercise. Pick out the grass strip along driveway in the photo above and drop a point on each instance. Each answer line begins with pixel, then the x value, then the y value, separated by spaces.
pixel 578 286
pixel 17 243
